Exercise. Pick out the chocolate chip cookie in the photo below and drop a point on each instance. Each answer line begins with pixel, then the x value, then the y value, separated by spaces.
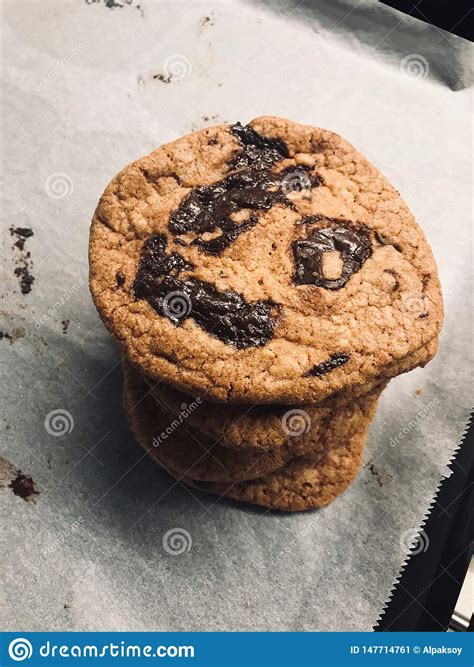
pixel 305 483
pixel 176 446
pixel 267 426
pixel 265 263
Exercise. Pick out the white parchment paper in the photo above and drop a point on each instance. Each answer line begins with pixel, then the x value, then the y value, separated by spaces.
pixel 87 88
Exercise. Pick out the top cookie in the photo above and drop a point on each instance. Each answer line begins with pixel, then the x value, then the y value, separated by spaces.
pixel 267 263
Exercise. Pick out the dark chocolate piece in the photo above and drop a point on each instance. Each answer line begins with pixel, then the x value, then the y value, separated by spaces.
pixel 210 207
pixel 155 263
pixel 335 360
pixel 226 315
pixel 216 245
pixel 120 278
pixel 352 241
pixel 257 150
pixel 253 187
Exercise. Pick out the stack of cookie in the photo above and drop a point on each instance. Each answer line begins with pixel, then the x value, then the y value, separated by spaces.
pixel 264 283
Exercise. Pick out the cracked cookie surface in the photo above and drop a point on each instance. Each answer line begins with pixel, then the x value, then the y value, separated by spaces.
pixel 268 263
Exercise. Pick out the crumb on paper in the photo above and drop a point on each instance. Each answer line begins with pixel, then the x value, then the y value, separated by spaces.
pixel 21 233
pixel 117 4
pixel 380 477
pixel 13 335
pixel 207 120
pixel 207 21
pixel 162 77
pixel 22 485
pixel 23 263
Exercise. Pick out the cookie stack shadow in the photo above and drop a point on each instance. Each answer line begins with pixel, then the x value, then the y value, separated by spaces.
pixel 281 457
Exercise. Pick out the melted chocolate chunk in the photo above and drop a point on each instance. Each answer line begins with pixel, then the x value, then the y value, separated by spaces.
pixel 207 209
pixel 216 245
pixel 335 360
pixel 120 278
pixel 257 150
pixel 254 186
pixel 226 315
pixel 154 268
pixel 155 263
pixel 353 242
pixel 210 207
